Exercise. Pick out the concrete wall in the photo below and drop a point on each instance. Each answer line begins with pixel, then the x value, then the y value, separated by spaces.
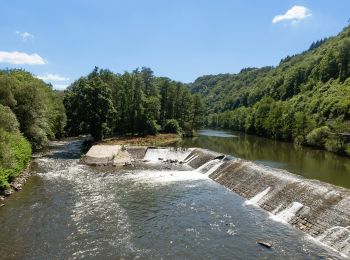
pixel 320 209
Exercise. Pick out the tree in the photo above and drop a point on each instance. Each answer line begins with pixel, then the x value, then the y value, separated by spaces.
pixel 198 112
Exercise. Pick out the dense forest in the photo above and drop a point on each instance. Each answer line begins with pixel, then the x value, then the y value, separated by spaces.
pixel 305 99
pixel 138 103
pixel 101 104
pixel 30 114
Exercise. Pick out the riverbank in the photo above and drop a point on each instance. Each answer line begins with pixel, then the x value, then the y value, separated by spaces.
pixel 15 185
pixel 148 140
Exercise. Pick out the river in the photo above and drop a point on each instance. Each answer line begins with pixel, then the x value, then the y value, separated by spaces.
pixel 305 161
pixel 69 210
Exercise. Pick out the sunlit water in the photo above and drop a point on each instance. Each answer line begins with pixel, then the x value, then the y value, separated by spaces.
pixel 305 161
pixel 71 211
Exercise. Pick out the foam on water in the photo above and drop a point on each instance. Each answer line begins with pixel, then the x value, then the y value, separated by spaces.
pixel 258 197
pixel 92 197
pixel 337 237
pixel 178 154
pixel 189 160
pixel 164 177
pixel 155 154
pixel 213 168
pixel 205 167
pixel 287 214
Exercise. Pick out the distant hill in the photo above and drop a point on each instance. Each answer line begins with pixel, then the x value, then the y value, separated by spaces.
pixel 305 99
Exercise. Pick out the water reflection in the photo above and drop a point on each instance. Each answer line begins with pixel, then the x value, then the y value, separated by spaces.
pixel 305 161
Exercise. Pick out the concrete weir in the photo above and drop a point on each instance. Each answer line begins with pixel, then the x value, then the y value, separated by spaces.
pixel 319 209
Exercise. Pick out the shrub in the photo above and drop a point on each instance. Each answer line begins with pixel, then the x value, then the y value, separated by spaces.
pixel 318 136
pixel 172 126
pixel 8 120
pixel 15 154
pixel 151 127
pixel 335 145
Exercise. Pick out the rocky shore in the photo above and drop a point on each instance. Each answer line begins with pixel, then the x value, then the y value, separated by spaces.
pixel 15 185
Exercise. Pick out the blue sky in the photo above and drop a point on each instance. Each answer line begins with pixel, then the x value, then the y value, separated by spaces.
pixel 60 41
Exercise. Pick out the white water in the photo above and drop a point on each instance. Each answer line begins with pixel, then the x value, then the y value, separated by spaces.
pixel 164 177
pixel 205 167
pixel 209 167
pixel 154 155
pixel 258 197
pixel 193 157
pixel 179 155
pixel 287 214
pixel 337 237
pixel 213 169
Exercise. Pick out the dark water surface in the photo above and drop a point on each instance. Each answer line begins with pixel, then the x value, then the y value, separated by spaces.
pixel 73 211
pixel 305 161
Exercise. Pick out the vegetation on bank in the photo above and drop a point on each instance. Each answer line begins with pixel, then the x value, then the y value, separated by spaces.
pixel 148 140
pixel 30 114
pixel 305 99
pixel 106 104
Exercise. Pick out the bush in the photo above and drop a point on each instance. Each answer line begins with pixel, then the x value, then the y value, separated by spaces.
pixel 15 154
pixel 318 136
pixel 188 131
pixel 335 145
pixel 172 126
pixel 8 120
pixel 151 127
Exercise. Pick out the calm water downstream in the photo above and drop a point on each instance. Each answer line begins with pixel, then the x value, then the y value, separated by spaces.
pixel 305 161
pixel 68 210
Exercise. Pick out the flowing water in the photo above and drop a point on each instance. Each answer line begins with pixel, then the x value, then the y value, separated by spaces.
pixel 68 210
pixel 305 161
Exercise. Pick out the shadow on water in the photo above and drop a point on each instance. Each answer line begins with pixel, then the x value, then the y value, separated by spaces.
pixel 305 161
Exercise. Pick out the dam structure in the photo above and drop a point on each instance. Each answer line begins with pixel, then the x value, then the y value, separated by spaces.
pixel 319 209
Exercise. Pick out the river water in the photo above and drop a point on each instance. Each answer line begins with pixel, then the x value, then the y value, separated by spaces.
pixel 304 161
pixel 68 210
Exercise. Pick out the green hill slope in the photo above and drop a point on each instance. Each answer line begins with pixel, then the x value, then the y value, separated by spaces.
pixel 305 99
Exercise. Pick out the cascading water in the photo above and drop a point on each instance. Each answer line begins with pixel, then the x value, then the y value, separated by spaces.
pixel 191 158
pixel 258 197
pixel 156 154
pixel 205 168
pixel 337 237
pixel 287 214
pixel 157 210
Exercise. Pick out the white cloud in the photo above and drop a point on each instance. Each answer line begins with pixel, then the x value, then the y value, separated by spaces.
pixel 16 57
pixel 25 35
pixel 52 77
pixel 295 14
pixel 60 86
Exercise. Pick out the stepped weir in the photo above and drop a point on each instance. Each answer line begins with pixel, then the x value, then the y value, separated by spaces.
pixel 319 209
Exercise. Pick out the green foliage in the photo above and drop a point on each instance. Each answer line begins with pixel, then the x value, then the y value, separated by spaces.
pixel 38 109
pixel 104 103
pixel 335 145
pixel 8 120
pixel 305 99
pixel 172 126
pixel 318 136
pixel 29 111
pixel 15 153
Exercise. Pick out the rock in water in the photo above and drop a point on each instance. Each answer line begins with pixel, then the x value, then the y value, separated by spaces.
pixel 265 244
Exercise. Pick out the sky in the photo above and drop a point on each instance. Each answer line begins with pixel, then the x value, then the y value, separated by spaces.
pixel 60 41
